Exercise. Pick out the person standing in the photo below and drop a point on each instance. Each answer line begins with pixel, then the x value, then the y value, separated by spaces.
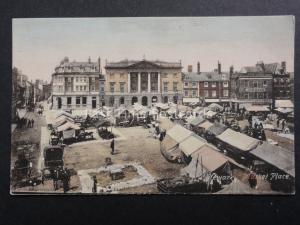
pixel 283 124
pixel 112 146
pixel 32 122
pixel 94 190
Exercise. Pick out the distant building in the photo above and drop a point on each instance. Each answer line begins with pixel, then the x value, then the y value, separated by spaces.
pixel 209 86
pixel 75 85
pixel 145 82
pixel 253 86
pixel 46 91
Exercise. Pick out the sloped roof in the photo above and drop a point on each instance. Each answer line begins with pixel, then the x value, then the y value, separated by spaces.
pixel 284 104
pixel 67 126
pixel 205 76
pixel 191 144
pixel 210 158
pixel 196 121
pixel 63 113
pixel 217 128
pixel 179 133
pixel 238 140
pixel 205 125
pixel 257 108
pixel 214 106
pixel 276 156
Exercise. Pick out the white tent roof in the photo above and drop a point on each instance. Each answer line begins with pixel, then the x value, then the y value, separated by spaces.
pixel 179 133
pixel 63 113
pixel 258 108
pixel 210 113
pixel 188 100
pixel 284 104
pixel 214 106
pixel 67 126
pixel 284 110
pixel 238 140
pixel 205 125
pixel 191 144
pixel 206 159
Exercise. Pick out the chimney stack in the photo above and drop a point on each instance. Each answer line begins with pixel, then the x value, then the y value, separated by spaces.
pixel 198 67
pixel 99 64
pixel 190 68
pixel 219 68
pixel 89 60
pixel 231 70
pixel 283 66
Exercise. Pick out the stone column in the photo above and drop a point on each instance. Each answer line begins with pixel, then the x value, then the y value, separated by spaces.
pixel 139 82
pixel 128 82
pixel 158 82
pixel 149 82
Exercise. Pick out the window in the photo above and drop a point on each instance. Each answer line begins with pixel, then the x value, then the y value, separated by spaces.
pixel 186 93
pixel 214 84
pixel 102 89
pixel 84 100
pixel 175 86
pixel 77 88
pixel 121 75
pixel 77 100
pixel 92 87
pixel 93 79
pixel 122 87
pixel 214 93
pixel 69 100
pixel 206 93
pixel 225 93
pixel 194 93
pixel 80 79
pixel 205 84
pixel 194 84
pixel 84 79
pixel 80 88
pixel 112 87
pixel 76 79
pixel 225 84
pixel 84 88
pixel 186 84
pixel 246 95
pixel 255 84
pixel 265 83
pixel 165 86
pixel 69 79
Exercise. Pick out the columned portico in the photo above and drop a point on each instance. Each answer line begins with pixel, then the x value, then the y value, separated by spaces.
pixel 129 83
pixel 139 82
pixel 149 83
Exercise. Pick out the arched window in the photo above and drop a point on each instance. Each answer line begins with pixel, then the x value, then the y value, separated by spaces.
pixel 144 101
pixel 134 100
pixel 154 99
pixel 121 100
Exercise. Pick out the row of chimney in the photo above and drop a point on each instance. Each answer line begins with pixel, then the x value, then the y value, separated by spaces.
pixel 219 70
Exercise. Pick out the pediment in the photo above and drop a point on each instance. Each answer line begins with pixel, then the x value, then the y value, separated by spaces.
pixel 144 65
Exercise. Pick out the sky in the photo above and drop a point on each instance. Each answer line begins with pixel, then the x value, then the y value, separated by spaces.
pixel 40 44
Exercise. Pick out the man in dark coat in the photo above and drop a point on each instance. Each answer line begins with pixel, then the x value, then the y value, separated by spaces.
pixel 112 146
pixel 94 190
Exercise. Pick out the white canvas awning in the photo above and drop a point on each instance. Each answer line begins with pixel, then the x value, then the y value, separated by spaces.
pixel 190 100
pixel 191 144
pixel 284 110
pixel 210 114
pixel 238 140
pixel 205 125
pixel 67 126
pixel 179 133
pixel 257 108
pixel 284 104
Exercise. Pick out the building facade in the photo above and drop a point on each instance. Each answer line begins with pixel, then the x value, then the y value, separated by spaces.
pixel 208 86
pixel 75 85
pixel 145 82
pixel 253 86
